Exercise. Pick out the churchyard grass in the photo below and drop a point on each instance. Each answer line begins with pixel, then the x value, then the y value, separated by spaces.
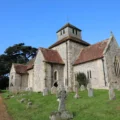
pixel 98 107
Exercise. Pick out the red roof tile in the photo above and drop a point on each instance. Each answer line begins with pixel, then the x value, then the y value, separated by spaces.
pixel 29 67
pixel 51 56
pixel 20 68
pixel 74 39
pixel 92 52
pixel 30 64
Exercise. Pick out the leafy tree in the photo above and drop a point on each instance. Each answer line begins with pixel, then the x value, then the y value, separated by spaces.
pixel 18 53
pixel 82 79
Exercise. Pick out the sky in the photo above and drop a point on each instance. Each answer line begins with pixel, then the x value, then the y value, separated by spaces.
pixel 35 22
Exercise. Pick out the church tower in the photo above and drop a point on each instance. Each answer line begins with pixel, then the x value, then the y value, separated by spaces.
pixel 69 30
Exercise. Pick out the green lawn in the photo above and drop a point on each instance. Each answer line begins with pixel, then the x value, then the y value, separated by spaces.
pixel 96 108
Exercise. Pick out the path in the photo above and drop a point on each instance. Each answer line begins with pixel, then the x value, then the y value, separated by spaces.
pixel 3 112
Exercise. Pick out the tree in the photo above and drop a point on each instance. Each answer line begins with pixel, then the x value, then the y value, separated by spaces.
pixel 18 53
pixel 82 79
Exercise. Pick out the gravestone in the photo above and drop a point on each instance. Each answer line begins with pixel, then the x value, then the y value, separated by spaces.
pixel 76 90
pixel 82 87
pixel 68 89
pixel 45 92
pixel 111 93
pixel 53 90
pixel 90 90
pixel 29 105
pixel 61 114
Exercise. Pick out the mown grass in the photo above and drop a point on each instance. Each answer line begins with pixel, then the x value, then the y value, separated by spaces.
pixel 98 107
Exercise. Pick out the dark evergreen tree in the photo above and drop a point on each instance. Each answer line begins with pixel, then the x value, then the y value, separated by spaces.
pixel 18 53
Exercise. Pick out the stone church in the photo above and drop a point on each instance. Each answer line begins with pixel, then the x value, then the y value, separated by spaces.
pixel 68 56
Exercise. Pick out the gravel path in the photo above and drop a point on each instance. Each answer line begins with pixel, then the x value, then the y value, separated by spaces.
pixel 3 112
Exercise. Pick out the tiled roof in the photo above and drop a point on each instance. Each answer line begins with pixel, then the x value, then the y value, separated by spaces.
pixel 29 67
pixel 68 25
pixel 20 68
pixel 92 52
pixel 74 39
pixel 30 64
pixel 51 56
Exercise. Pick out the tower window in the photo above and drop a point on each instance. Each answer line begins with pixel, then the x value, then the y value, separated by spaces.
pixel 76 32
pixel 60 32
pixel 63 31
pixel 116 66
pixel 73 31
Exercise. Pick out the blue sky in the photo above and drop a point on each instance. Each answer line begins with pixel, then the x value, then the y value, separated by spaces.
pixel 35 22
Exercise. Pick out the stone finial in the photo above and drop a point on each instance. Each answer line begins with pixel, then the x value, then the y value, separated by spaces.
pixel 111 33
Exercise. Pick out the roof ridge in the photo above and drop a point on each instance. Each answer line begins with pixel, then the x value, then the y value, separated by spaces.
pixel 68 25
pixel 69 38
pixel 96 43
pixel 91 52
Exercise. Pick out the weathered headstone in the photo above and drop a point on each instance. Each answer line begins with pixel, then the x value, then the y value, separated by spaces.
pixel 68 89
pixel 111 93
pixel 22 100
pixel 89 86
pixel 61 114
pixel 29 105
pixel 82 87
pixel 53 90
pixel 90 92
pixel 76 90
pixel 45 91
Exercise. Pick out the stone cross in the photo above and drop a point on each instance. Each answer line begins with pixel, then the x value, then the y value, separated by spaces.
pixel 76 90
pixel 61 98
pixel 111 93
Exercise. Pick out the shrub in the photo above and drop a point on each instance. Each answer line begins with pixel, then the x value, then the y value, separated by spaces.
pixel 82 79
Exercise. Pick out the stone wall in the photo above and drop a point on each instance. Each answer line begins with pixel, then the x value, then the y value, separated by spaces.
pixel 39 72
pixel 30 78
pixel 12 76
pixel 73 53
pixel 97 73
pixel 60 73
pixel 19 81
pixel 110 53
pixel 62 50
pixel 69 51
pixel 50 70
pixel 48 78
pixel 24 81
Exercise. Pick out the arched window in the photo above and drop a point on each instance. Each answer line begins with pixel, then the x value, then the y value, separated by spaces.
pixel 55 75
pixel 116 66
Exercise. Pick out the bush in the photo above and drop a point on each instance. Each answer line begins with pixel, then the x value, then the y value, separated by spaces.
pixel 82 79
